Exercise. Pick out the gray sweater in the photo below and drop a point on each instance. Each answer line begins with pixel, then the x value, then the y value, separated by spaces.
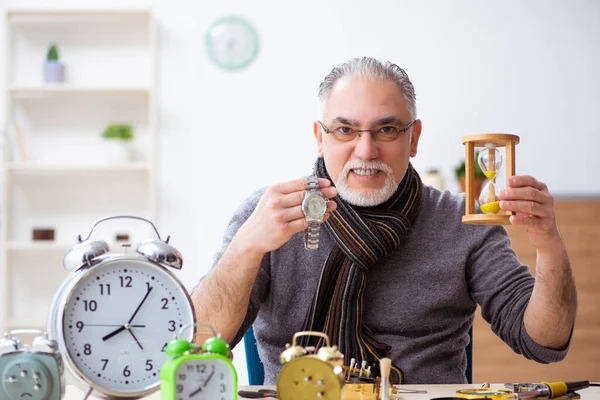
pixel 420 301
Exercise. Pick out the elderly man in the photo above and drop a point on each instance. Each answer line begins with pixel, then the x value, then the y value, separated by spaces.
pixel 396 273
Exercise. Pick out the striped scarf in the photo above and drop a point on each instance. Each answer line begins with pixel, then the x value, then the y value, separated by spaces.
pixel 363 237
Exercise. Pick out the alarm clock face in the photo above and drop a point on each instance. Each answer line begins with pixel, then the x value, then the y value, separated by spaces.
pixel 26 378
pixel 117 321
pixel 308 378
pixel 205 378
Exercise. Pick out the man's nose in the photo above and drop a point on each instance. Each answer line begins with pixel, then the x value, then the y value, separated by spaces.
pixel 366 148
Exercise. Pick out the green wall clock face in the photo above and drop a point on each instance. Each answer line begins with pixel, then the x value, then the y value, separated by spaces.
pixel 232 43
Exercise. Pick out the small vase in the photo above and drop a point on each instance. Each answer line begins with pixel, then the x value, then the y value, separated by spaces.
pixel 54 72
pixel 116 151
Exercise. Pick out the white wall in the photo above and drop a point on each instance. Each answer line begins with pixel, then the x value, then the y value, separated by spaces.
pixel 523 67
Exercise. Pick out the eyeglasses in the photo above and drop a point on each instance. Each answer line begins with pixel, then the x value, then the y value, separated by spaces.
pixel 382 133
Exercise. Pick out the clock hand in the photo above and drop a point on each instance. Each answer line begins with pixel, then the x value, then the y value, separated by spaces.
pixel 195 392
pixel 131 326
pixel 113 333
pixel 140 305
pixel 136 339
pixel 119 330
pixel 210 376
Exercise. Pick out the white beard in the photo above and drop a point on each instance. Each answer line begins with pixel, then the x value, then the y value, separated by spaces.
pixel 366 198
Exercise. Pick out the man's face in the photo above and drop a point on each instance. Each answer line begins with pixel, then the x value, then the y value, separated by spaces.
pixel 366 170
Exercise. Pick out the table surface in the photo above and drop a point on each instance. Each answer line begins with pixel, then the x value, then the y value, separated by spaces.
pixel 73 393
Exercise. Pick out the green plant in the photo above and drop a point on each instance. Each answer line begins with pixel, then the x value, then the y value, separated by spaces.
pixel 460 170
pixel 52 53
pixel 118 131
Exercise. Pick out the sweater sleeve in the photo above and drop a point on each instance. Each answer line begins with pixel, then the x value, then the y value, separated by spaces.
pixel 261 284
pixel 502 286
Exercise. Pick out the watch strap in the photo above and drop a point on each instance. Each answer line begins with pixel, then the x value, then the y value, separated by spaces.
pixel 311 237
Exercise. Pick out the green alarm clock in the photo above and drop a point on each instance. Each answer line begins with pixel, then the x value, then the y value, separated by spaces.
pixel 194 372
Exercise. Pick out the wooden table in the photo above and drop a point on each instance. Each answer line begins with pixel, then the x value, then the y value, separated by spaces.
pixel 433 391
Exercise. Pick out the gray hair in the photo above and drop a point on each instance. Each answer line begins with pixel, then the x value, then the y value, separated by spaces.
pixel 370 68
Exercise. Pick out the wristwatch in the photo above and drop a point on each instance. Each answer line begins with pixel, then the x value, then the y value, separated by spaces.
pixel 314 206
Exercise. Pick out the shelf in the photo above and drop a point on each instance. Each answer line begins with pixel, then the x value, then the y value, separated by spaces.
pixel 78 13
pixel 24 323
pixel 25 91
pixel 38 246
pixel 42 169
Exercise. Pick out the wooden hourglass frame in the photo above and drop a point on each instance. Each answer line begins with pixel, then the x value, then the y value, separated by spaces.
pixel 471 142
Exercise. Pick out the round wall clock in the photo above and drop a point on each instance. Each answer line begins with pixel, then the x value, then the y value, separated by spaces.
pixel 232 43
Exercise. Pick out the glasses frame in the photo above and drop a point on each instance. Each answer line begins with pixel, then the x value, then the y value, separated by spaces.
pixel 358 131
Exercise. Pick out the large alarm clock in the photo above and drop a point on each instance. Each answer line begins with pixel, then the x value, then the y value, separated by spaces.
pixel 115 313
pixel 308 375
pixel 198 372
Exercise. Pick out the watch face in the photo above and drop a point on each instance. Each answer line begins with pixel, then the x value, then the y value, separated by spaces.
pixel 232 43
pixel 117 321
pixel 314 206
pixel 205 379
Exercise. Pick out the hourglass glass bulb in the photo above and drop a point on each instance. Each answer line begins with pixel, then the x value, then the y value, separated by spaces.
pixel 488 198
pixel 490 161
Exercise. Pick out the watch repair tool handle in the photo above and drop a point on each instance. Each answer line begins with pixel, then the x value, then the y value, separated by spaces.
pixel 385 364
pixel 558 389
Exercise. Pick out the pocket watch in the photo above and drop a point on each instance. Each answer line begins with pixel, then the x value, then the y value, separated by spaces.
pixel 307 375
pixel 115 313
pixel 195 372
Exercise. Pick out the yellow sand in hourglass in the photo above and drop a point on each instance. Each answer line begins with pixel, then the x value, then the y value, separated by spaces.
pixel 490 161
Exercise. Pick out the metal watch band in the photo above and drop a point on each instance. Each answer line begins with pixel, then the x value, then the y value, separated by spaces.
pixel 313 182
pixel 311 237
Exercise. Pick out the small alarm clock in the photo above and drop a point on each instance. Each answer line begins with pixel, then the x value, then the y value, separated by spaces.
pixel 30 371
pixel 198 373
pixel 115 313
pixel 306 375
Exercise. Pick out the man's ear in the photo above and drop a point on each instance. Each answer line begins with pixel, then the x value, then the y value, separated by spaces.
pixel 414 137
pixel 318 137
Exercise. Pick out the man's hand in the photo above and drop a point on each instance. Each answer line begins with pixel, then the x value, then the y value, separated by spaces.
pixel 533 206
pixel 278 215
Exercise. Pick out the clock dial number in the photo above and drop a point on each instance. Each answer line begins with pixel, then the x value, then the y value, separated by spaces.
pixel 126 281
pixel 104 289
pixel 105 361
pixel 90 305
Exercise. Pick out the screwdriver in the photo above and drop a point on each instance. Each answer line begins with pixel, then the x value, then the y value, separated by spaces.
pixel 260 394
pixel 549 390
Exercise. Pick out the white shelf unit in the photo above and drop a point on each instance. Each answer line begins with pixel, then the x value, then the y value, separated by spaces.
pixel 68 178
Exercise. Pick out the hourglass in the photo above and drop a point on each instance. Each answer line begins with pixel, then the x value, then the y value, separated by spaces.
pixel 490 161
